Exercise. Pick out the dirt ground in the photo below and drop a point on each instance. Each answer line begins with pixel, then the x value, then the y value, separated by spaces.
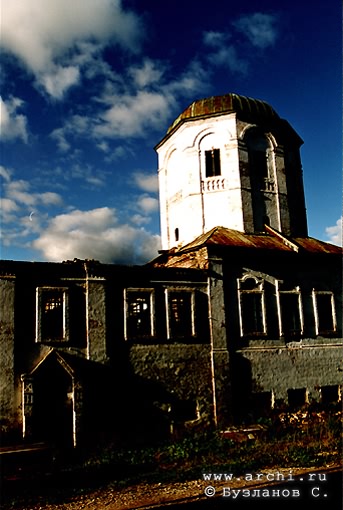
pixel 150 495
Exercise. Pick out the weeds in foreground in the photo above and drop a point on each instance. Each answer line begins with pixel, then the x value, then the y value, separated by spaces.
pixel 305 438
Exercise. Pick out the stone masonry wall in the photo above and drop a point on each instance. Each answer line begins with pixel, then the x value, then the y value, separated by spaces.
pixel 7 393
pixel 294 367
pixel 175 377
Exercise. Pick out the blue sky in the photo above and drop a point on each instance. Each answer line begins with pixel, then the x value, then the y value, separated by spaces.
pixel 88 88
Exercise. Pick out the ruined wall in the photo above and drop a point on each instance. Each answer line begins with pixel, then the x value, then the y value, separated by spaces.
pixel 96 320
pixel 302 366
pixel 7 362
pixel 173 385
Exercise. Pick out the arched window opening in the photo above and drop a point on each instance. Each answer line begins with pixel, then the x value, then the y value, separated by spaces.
pixel 258 151
pixel 212 163
pixel 251 307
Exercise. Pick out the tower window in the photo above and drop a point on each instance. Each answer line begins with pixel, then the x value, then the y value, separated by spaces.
pixel 258 148
pixel 177 235
pixel 212 162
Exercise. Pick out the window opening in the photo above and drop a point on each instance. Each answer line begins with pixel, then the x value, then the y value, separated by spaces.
pixel 176 234
pixel 252 310
pixel 52 319
pixel 52 314
pixel 297 397
pixel 212 162
pixel 180 314
pixel 324 309
pixel 262 403
pixel 329 394
pixel 139 313
pixel 258 148
pixel 290 314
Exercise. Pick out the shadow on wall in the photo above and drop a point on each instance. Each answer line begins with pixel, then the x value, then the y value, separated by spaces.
pixel 249 401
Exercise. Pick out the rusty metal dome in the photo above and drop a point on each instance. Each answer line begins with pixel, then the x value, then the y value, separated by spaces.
pixel 245 107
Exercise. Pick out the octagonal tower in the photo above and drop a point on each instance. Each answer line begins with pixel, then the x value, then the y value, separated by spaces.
pixel 229 161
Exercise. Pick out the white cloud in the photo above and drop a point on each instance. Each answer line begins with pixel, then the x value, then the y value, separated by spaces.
pixel 215 39
pixel 146 182
pixel 5 173
pixel 8 205
pixel 147 204
pixel 8 209
pixel 95 234
pixel 222 54
pixel 259 28
pixel 149 73
pixel 59 80
pixel 228 57
pixel 334 233
pixel 46 35
pixel 132 115
pixel 23 211
pixel 59 135
pixel 12 124
pixel 261 31
pixel 137 111
pixel 48 198
pixel 138 219
pixel 20 193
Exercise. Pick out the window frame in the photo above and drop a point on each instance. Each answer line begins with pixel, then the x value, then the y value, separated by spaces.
pixel 215 160
pixel 294 291
pixel 259 290
pixel 180 290
pixel 146 290
pixel 40 317
pixel 319 331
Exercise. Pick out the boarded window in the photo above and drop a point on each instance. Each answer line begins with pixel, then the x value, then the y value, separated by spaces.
pixel 139 313
pixel 212 163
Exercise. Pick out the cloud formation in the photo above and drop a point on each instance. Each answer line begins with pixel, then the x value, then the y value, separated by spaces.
pixel 146 182
pixel 95 234
pixel 44 36
pixel 12 123
pixel 225 51
pixel 334 233
pixel 259 28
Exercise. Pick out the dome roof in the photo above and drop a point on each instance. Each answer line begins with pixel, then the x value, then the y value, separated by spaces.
pixel 219 105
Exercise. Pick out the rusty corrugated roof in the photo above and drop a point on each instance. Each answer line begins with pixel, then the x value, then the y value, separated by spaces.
pixel 312 245
pixel 271 240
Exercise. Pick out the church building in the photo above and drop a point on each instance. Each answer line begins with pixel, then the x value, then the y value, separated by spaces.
pixel 239 313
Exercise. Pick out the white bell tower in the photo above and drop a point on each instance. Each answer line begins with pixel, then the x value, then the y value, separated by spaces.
pixel 229 161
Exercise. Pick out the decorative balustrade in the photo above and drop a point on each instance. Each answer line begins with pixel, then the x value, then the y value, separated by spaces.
pixel 217 183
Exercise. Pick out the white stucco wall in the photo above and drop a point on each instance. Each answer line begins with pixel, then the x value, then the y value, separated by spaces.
pixel 189 201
